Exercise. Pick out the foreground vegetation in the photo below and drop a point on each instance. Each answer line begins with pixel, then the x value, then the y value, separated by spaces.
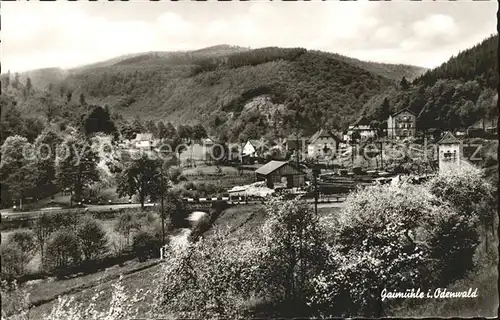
pixel 393 237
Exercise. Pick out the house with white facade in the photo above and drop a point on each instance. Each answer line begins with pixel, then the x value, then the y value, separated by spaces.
pixel 361 126
pixel 449 149
pixel 254 148
pixel 143 141
pixel 323 142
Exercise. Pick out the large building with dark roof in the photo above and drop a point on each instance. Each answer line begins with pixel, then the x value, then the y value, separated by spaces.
pixel 281 173
pixel 401 124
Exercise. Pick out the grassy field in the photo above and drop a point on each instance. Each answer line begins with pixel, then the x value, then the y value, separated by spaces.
pixel 243 222
pixel 240 221
pixel 116 242
pixel 136 274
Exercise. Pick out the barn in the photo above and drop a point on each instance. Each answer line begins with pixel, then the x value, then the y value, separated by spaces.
pixel 280 173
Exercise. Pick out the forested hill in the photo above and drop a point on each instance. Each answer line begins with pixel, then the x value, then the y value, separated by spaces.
pixel 479 63
pixel 214 85
pixel 458 94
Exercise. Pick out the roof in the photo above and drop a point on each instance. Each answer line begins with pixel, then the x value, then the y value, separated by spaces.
pixel 256 143
pixel 271 166
pixel 322 134
pixel 448 138
pixel 144 137
pixel 361 121
pixel 402 110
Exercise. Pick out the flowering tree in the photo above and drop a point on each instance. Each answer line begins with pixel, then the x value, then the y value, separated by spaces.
pixel 211 278
pixel 296 249
pixel 391 237
pixel 466 190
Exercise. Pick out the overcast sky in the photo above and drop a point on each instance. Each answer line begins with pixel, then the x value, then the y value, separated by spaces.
pixel 61 34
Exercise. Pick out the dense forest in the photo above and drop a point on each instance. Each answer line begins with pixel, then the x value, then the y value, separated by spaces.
pixel 479 63
pixel 213 85
pixel 223 87
pixel 458 94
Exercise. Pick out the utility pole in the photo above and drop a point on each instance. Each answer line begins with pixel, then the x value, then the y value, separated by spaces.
pixel 381 155
pixel 162 208
pixel 315 178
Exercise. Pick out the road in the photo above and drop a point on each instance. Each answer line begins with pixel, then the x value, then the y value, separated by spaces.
pixel 8 214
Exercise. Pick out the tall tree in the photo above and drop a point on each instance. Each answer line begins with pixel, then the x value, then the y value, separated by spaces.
pixel 171 131
pixel 404 83
pixel 69 95
pixel 199 132
pixel 76 165
pixel 82 99
pixel 16 81
pixel 46 145
pixel 141 177
pixel 99 120
pixel 383 111
pixel 7 79
pixel 151 128
pixel 18 169
pixel 29 86
pixel 161 129
pixel 185 132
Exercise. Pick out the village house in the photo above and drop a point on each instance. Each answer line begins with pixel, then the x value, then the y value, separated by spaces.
pixel 143 141
pixel 254 148
pixel 401 124
pixel 363 127
pixel 280 173
pixel 448 152
pixel 208 142
pixel 323 143
pixel 292 142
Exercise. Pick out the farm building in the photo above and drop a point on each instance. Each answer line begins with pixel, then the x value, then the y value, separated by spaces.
pixel 281 173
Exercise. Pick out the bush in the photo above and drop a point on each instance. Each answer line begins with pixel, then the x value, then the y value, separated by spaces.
pixel 296 247
pixel 218 275
pixel 146 245
pixel 393 237
pixel 465 189
pixel 175 174
pixel 127 222
pixel 26 241
pixel 13 261
pixel 63 250
pixel 93 238
pixel 60 220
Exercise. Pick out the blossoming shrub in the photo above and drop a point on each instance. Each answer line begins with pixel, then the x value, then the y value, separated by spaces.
pixel 296 250
pixel 211 279
pixel 466 189
pixel 473 197
pixel 391 237
pixel 15 301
